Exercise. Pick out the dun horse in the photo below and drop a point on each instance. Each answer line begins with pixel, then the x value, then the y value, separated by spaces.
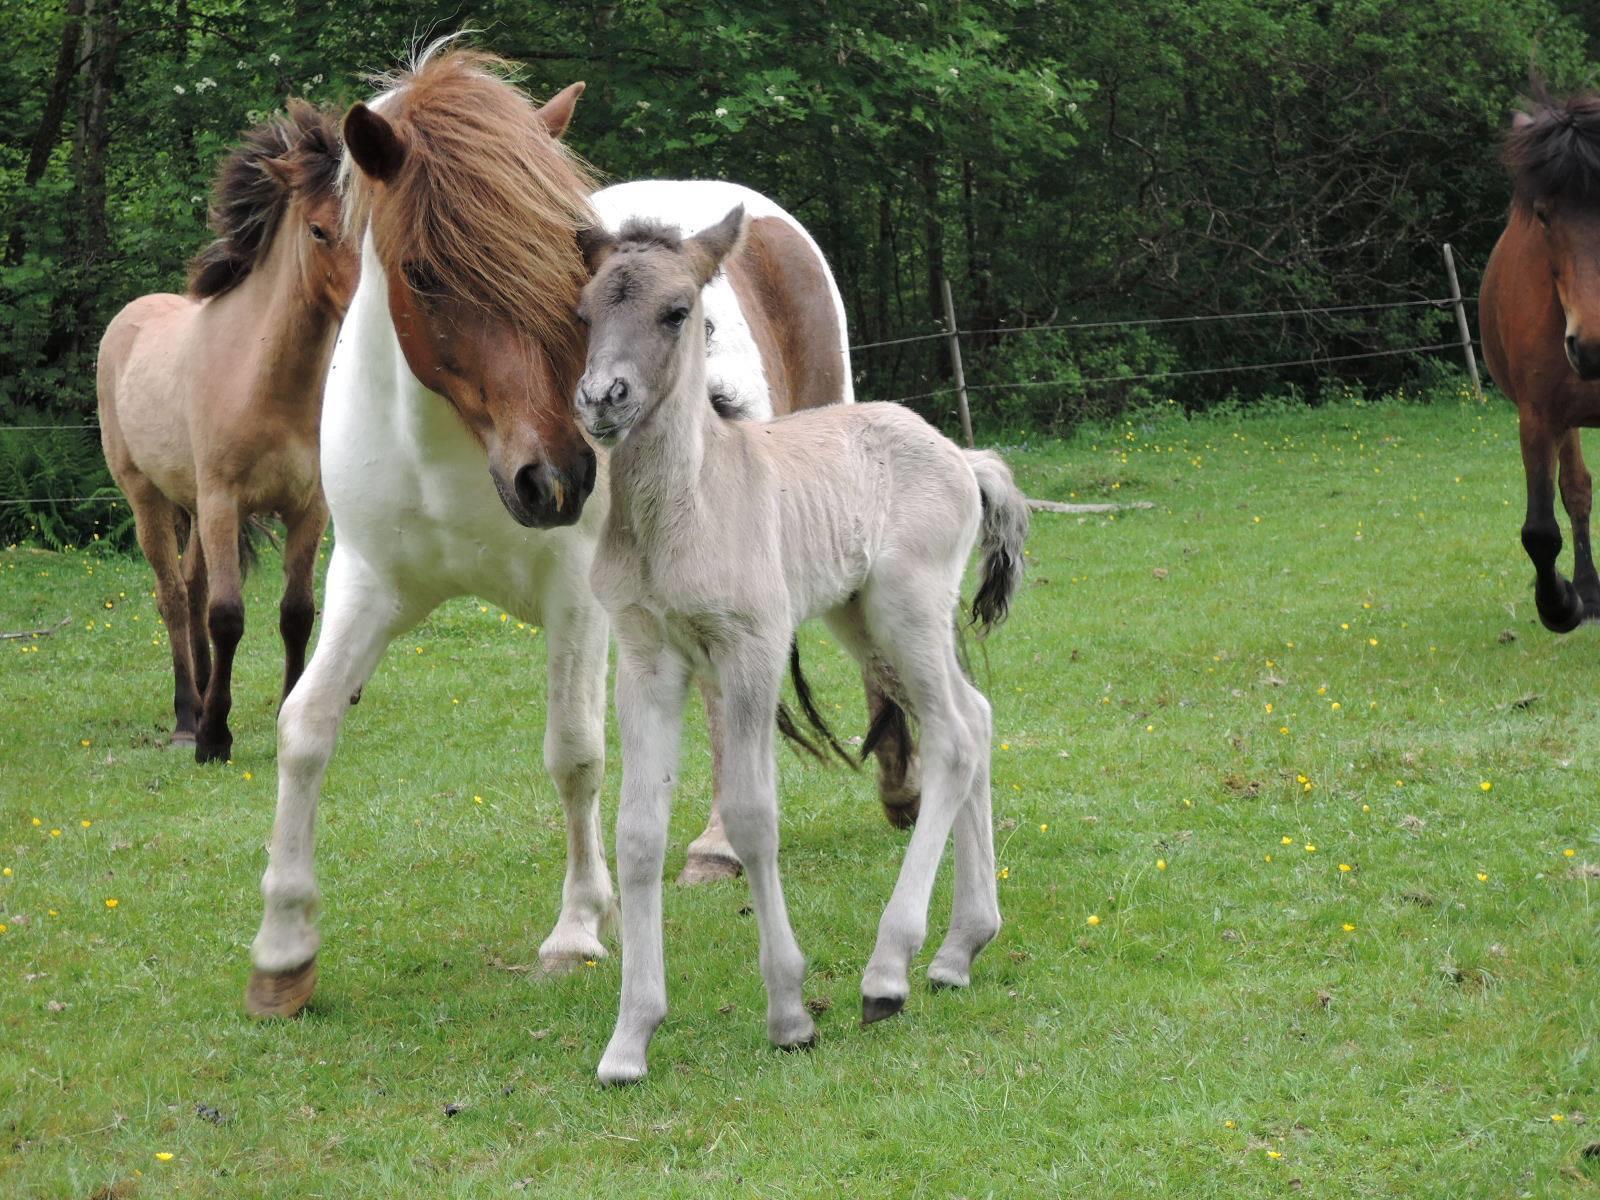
pixel 1539 312
pixel 453 460
pixel 210 405
pixel 722 537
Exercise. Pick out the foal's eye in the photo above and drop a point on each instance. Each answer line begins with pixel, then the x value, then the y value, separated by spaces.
pixel 577 315
pixel 674 318
pixel 318 233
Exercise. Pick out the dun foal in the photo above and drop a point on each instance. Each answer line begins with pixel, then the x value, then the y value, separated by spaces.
pixel 210 405
pixel 721 538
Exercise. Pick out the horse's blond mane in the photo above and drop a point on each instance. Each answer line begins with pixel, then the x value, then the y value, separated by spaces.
pixel 486 203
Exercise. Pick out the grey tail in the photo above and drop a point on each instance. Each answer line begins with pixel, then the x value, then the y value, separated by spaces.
pixel 1004 529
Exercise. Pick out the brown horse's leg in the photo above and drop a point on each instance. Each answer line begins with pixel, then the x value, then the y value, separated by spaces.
pixel 219 535
pixel 899 783
pixel 299 608
pixel 1560 607
pixel 194 580
pixel 1577 493
pixel 155 518
pixel 711 856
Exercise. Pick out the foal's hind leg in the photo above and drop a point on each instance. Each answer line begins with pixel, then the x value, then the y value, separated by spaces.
pixel 975 901
pixel 899 777
pixel 1577 493
pixel 155 518
pixel 219 535
pixel 298 611
pixel 711 856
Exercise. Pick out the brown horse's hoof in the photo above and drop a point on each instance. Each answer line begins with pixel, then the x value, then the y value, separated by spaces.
pixel 182 740
pixel 280 994
pixel 708 868
pixel 210 752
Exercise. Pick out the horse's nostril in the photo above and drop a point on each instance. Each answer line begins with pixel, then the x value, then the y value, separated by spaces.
pixel 531 485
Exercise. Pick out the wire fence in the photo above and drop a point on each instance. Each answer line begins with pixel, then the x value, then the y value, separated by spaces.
pixel 953 334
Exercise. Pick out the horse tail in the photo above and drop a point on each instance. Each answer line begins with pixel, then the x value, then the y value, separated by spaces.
pixel 252 532
pixel 791 730
pixel 1004 529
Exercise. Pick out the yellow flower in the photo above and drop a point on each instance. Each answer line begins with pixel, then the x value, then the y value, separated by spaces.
pixel 111 903
pixel 37 822
pixel 83 742
pixel 1274 1154
pixel 1366 808
pixel 419 649
pixel 1094 919
pixel 1269 707
pixel 1044 828
pixel 1557 1117
pixel 247 775
pixel 505 616
pixel 589 962
pixel 1229 1125
pixel 477 799
pixel 1335 706
pixel 1349 928
pixel 1310 849
pixel 2 928
pixel 1344 866
pixel 1161 864
pixel 55 833
pixel 1268 857
pixel 1005 873
pixel 1149 728
pixel 1283 729
pixel 1482 878
pixel 1005 745
pixel 6 872
pixel 1568 853
pixel 85 824
pixel 1286 840
pixel 1485 786
pixel 1344 624
pixel 1322 691
pixel 1372 641
pixel 163 1155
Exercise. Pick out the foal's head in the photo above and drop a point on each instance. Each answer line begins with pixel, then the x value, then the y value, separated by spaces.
pixel 1553 151
pixel 474 209
pixel 642 308
pixel 281 179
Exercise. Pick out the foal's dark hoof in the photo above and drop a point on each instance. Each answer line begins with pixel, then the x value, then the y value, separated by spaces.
pixel 282 994
pixel 802 1044
pixel 208 752
pixel 1563 612
pixel 877 1008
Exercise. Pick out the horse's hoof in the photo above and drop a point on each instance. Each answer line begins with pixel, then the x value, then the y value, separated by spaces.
pixel 708 868
pixel 943 978
pixel 210 752
pixel 805 1043
pixel 877 1008
pixel 1563 612
pixel 182 740
pixel 280 993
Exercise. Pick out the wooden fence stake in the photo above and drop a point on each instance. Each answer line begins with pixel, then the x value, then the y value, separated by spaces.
pixel 955 360
pixel 1461 323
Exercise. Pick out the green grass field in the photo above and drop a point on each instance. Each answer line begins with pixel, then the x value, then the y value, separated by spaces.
pixel 1298 826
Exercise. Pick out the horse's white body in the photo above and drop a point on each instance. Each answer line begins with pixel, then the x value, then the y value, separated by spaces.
pixel 418 521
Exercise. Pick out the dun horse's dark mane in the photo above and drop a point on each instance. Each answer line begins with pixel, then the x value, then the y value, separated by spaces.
pixel 646 233
pixel 1555 153
pixel 247 201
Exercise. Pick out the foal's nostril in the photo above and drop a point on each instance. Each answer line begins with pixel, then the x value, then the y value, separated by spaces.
pixel 617 392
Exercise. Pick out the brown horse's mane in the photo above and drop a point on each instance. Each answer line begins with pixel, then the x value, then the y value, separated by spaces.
pixel 487 205
pixel 247 200
pixel 1555 153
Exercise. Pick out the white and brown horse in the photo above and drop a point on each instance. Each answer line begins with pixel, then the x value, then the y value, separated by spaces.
pixel 210 405
pixel 452 458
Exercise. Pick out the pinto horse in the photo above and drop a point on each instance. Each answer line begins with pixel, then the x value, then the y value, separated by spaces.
pixel 453 459
pixel 1539 311
pixel 210 404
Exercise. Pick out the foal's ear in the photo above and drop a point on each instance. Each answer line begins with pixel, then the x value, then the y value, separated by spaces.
pixel 556 112
pixel 374 143
pixel 595 243
pixel 708 248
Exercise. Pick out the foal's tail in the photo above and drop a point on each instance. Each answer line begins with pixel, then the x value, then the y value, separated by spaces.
pixel 1005 527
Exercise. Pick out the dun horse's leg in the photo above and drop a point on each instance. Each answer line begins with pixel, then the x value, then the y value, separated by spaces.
pixel 749 689
pixel 711 857
pixel 155 519
pixel 364 614
pixel 298 611
pixel 975 903
pixel 1577 494
pixel 651 684
pixel 899 782
pixel 1560 607
pixel 575 756
pixel 219 536
pixel 194 579
pixel 916 640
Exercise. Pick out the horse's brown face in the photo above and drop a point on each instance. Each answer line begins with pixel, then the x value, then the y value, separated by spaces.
pixel 1572 241
pixel 503 378
pixel 502 384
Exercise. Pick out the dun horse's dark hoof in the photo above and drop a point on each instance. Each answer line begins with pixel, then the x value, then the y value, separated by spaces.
pixel 280 994
pixel 877 1008
pixel 803 1044
pixel 207 752
pixel 1562 612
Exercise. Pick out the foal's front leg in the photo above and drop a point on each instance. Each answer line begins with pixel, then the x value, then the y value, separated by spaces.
pixel 651 683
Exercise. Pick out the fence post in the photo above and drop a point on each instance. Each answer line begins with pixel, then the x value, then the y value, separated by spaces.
pixel 955 360
pixel 1461 323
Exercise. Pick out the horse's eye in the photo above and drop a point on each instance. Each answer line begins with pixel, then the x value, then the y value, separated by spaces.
pixel 710 329
pixel 1542 212
pixel 674 318
pixel 421 277
pixel 318 233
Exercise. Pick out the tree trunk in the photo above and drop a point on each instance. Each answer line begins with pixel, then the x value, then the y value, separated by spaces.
pixel 100 65
pixel 55 109
pixel 933 243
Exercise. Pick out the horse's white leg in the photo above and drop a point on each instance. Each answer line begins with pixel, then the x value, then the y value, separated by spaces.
pixel 749 676
pixel 909 621
pixel 575 756
pixel 975 903
pixel 363 614
pixel 651 683
pixel 711 857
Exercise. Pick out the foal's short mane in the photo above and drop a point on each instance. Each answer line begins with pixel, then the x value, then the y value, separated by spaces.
pixel 1555 153
pixel 486 202
pixel 247 200
pixel 648 233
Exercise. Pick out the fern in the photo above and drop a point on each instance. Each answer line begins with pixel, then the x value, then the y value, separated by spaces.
pixel 54 486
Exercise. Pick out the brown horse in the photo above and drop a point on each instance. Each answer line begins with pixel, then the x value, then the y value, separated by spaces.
pixel 1539 311
pixel 210 405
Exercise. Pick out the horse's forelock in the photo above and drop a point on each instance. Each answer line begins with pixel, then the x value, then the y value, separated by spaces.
pixel 1555 153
